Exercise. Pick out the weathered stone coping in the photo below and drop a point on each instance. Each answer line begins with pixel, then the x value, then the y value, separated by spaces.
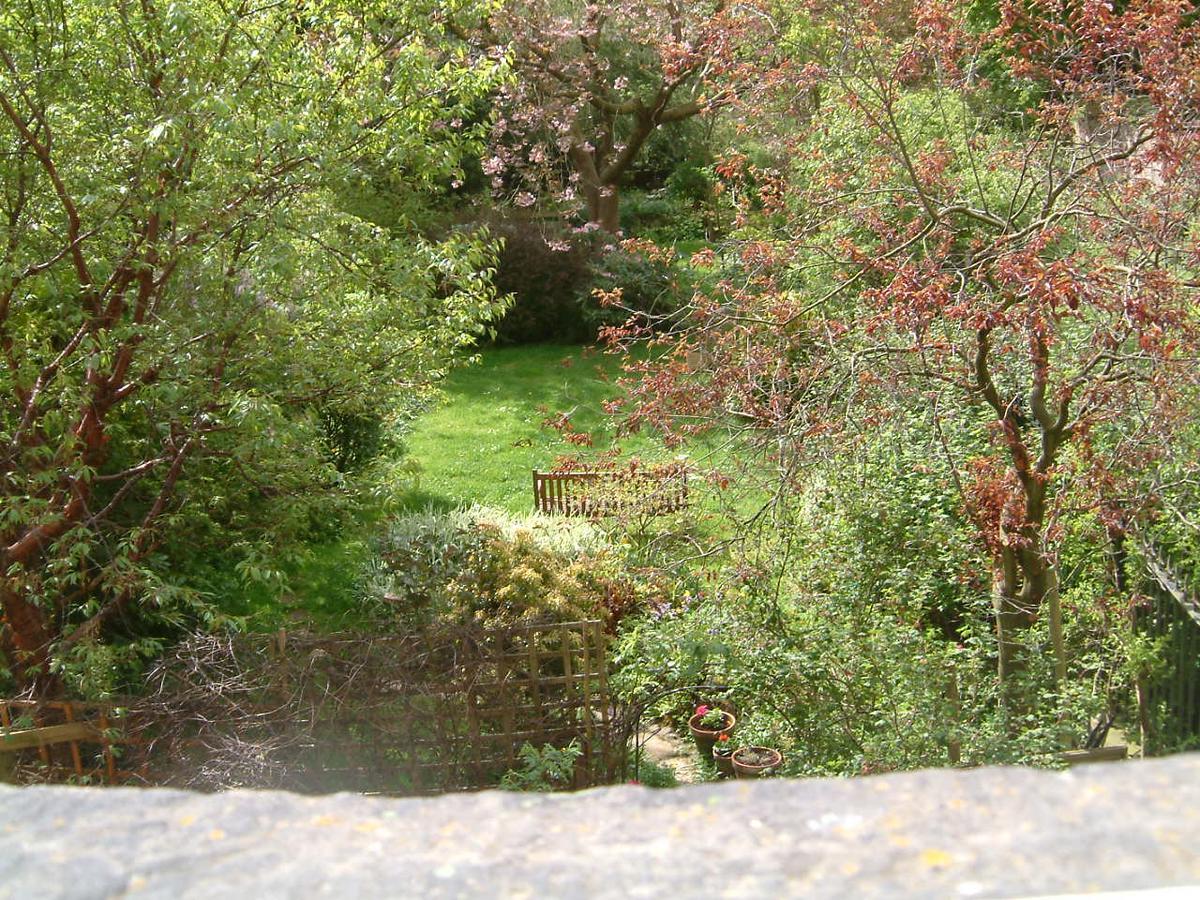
pixel 980 833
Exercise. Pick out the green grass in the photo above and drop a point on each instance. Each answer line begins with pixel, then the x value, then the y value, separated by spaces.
pixel 479 445
pixel 323 590
pixel 482 444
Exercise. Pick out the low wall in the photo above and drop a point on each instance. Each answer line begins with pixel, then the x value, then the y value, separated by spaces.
pixel 979 833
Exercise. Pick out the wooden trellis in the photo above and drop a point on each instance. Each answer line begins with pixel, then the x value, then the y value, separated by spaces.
pixel 440 710
pixel 430 712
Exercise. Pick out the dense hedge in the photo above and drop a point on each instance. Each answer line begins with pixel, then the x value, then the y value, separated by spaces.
pixel 546 270
pixel 554 273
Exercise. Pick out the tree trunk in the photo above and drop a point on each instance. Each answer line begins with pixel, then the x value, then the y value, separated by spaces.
pixel 27 639
pixel 1119 558
pixel 603 198
pixel 954 743
pixel 607 211
pixel 1012 619
pixel 603 204
pixel 1053 600
pixel 1025 583
pixel 1118 554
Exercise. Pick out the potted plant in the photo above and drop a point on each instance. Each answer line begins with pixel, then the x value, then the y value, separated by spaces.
pixel 707 723
pixel 755 762
pixel 722 754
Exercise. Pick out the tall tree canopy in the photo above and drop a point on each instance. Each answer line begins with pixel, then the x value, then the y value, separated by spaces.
pixel 183 295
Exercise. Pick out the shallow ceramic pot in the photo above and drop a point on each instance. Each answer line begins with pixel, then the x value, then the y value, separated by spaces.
pixel 743 769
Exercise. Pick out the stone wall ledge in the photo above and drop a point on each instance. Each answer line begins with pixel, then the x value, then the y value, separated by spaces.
pixel 992 832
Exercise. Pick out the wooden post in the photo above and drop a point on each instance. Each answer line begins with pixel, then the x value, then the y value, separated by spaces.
pixel 8 761
pixel 110 761
pixel 954 745
pixel 589 722
pixel 76 758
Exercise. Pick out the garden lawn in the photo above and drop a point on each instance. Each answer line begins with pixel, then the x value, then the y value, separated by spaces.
pixel 482 443
pixel 479 445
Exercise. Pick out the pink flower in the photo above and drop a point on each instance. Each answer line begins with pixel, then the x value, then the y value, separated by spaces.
pixel 701 709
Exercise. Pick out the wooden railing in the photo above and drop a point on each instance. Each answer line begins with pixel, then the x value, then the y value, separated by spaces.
pixel 59 740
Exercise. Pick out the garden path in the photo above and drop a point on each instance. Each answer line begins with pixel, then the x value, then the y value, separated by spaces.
pixel 666 748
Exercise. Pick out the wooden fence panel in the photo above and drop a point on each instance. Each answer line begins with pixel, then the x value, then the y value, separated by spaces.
pixel 1173 616
pixel 63 741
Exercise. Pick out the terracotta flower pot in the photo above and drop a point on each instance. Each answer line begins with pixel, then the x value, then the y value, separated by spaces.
pixel 743 768
pixel 724 763
pixel 705 738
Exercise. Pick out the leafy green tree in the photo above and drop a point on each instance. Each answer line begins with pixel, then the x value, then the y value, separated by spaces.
pixel 183 298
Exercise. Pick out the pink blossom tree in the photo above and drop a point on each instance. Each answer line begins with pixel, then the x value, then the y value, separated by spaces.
pixel 593 81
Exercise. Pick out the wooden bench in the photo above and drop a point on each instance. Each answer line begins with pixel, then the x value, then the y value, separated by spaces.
pixel 595 494
pixel 1111 753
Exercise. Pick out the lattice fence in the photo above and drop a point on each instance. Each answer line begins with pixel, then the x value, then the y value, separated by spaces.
pixel 427 713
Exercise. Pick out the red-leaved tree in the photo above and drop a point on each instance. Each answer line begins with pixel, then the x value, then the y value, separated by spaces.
pixel 999 223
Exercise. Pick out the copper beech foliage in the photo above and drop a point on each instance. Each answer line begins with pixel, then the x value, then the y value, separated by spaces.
pixel 997 224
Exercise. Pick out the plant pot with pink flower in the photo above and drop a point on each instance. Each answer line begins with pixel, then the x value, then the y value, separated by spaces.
pixel 722 754
pixel 707 725
pixel 755 762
